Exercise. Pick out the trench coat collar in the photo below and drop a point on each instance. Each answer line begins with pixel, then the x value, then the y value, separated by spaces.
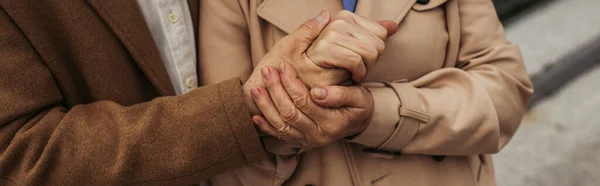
pixel 287 15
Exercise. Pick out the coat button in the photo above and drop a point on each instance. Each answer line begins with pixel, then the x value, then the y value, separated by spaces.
pixel 423 2
pixel 438 158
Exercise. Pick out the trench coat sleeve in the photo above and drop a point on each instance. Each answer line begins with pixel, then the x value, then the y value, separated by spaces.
pixel 474 108
pixel 179 140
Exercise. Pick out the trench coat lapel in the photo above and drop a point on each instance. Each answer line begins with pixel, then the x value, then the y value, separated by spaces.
pixel 287 15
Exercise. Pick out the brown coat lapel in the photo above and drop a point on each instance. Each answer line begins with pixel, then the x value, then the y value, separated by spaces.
pixel 127 21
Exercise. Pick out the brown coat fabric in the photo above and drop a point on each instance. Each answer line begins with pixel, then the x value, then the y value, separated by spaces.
pixel 455 90
pixel 79 102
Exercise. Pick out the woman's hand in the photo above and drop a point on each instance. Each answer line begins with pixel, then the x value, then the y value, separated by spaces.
pixel 348 42
pixel 293 112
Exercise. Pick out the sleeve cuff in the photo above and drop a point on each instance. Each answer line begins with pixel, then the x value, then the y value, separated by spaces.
pixel 240 122
pixel 411 117
pixel 396 118
pixel 385 116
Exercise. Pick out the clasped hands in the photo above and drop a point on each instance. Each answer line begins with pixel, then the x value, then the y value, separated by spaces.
pixel 305 89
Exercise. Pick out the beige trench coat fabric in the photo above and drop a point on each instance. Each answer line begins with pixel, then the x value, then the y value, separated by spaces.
pixel 448 90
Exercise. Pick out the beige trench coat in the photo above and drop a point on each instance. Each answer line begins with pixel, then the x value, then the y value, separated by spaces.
pixel 455 91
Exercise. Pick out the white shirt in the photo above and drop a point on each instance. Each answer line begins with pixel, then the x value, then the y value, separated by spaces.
pixel 171 26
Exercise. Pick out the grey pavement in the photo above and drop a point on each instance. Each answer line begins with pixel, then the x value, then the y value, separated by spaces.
pixel 556 29
pixel 558 143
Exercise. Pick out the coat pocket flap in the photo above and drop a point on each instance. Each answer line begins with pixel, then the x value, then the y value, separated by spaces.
pixel 431 5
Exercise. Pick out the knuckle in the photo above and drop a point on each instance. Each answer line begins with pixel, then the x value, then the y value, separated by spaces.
pixel 289 115
pixel 301 102
pixel 380 45
pixel 322 45
pixel 381 31
pixel 377 29
pixel 310 26
pixel 353 57
pixel 367 49
pixel 342 95
pixel 339 23
pixel 370 53
pixel 331 49
pixel 331 36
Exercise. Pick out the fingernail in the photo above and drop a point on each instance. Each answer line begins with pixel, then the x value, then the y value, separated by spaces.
pixel 265 73
pixel 255 120
pixel 281 68
pixel 255 92
pixel 322 16
pixel 319 93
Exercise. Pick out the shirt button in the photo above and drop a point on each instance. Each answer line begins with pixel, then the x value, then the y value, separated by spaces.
pixel 172 17
pixel 190 82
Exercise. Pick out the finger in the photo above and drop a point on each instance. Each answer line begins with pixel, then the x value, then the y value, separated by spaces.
pixel 299 93
pixel 340 96
pixel 390 26
pixel 362 43
pixel 332 55
pixel 366 38
pixel 365 23
pixel 264 126
pixel 288 111
pixel 304 35
pixel 266 106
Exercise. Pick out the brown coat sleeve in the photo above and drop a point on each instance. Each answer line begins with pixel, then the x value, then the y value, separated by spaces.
pixel 167 141
pixel 474 109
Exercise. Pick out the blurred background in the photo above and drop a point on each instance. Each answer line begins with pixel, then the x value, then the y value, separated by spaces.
pixel 558 143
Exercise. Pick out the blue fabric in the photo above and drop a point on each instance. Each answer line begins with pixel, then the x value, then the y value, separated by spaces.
pixel 349 5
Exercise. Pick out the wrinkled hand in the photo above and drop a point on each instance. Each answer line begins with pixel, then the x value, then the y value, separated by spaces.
pixel 291 111
pixel 287 49
pixel 349 42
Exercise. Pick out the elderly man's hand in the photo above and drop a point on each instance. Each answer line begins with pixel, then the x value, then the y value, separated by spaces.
pixel 293 112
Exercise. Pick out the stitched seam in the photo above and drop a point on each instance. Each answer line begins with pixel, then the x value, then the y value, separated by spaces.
pixel 401 95
pixel 414 114
pixel 351 164
pixel 393 136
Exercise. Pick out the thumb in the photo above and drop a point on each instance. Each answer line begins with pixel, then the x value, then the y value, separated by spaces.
pixel 304 35
pixel 390 26
pixel 340 96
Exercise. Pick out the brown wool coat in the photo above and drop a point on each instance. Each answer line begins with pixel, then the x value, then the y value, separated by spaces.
pixel 79 88
pixel 457 91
